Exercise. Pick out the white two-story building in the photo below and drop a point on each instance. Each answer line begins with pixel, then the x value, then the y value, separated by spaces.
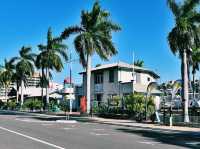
pixel 118 79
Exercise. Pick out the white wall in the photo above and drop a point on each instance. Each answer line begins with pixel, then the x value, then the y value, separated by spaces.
pixel 125 75
pixel 144 79
pixel 114 88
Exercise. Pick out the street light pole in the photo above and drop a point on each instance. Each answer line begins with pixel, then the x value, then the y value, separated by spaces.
pixel 70 73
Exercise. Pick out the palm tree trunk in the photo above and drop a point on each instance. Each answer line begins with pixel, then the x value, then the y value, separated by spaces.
pixel 185 86
pixel 47 87
pixel 6 97
pixel 42 85
pixel 22 92
pixel 193 85
pixel 17 96
pixel 88 71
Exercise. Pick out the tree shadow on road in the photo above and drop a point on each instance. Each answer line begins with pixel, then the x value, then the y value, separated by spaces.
pixel 182 139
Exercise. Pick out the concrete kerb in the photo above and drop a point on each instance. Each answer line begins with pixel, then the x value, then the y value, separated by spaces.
pixel 148 126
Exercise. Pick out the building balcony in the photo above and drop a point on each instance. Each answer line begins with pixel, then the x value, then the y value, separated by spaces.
pixel 98 88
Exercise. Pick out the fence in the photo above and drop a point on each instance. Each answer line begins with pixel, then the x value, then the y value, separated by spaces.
pixel 178 120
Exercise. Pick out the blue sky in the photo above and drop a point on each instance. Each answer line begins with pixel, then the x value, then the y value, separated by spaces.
pixel 145 25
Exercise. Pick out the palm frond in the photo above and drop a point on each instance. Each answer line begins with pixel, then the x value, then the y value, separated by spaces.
pixel 62 52
pixel 79 47
pixel 24 51
pixel 69 31
pixel 189 6
pixel 56 62
pixel 173 40
pixel 42 47
pixel 195 17
pixel 174 7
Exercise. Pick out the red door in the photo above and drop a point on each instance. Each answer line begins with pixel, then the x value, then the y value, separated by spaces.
pixel 83 105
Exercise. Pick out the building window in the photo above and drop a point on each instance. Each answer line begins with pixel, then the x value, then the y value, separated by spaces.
pixel 111 76
pixel 148 79
pixel 98 78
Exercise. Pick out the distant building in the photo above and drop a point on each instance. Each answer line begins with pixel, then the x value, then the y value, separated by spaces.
pixel 3 92
pixel 33 89
pixel 34 80
pixel 118 79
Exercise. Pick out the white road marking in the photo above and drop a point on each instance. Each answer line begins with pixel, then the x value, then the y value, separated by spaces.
pixel 98 129
pixel 149 142
pixel 32 138
pixel 67 128
pixel 47 124
pixel 34 121
pixel 66 121
pixel 99 134
pixel 193 143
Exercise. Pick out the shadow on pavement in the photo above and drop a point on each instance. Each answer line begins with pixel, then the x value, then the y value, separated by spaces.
pixel 182 139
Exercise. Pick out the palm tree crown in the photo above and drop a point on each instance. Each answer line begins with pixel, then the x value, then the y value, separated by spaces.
pixel 139 63
pixel 52 53
pixel 6 74
pixel 185 34
pixel 95 34
pixel 25 63
pixel 51 57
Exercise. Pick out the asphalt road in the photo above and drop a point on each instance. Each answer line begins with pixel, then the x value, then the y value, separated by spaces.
pixel 24 132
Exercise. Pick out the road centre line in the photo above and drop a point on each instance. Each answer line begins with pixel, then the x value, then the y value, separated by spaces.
pixel 32 138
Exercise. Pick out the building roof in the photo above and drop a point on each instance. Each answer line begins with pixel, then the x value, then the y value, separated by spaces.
pixel 126 66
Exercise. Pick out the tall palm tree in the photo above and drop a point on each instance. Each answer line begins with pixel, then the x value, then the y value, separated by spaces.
pixel 195 60
pixel 24 67
pixel 94 36
pixel 6 74
pixel 139 63
pixel 51 58
pixel 182 38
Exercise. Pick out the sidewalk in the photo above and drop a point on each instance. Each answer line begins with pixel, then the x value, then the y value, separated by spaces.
pixel 127 123
pixel 131 123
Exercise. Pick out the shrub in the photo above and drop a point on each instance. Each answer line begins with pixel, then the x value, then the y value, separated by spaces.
pixel 33 104
pixel 64 105
pixel 53 106
pixel 2 104
pixel 103 108
pixel 150 106
pixel 115 101
pixel 11 105
pixel 135 105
